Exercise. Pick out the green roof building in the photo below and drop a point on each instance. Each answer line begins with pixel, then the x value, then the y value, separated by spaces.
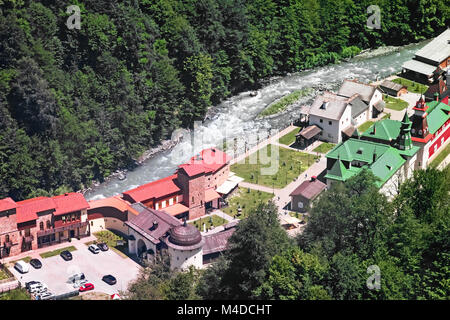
pixel 384 149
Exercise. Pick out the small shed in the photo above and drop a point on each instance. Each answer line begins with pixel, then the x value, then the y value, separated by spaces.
pixel 307 136
pixel 393 89
pixel 302 196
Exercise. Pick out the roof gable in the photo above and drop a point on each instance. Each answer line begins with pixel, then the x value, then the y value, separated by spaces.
pixel 7 204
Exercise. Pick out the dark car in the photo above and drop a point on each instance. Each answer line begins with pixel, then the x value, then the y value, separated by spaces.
pixel 36 263
pixel 109 279
pixel 102 246
pixel 66 255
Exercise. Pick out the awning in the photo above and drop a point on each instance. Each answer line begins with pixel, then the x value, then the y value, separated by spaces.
pixel 231 183
pixel 309 132
pixel 211 195
pixel 175 209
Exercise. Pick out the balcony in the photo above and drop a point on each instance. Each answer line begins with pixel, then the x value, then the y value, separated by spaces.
pixel 70 226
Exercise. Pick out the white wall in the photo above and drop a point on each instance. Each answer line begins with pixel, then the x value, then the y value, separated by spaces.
pixel 107 223
pixel 377 96
pixel 186 258
pixel 332 133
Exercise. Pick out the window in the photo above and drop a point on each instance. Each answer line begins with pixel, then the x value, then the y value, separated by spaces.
pixel 157 206
pixel 320 120
pixel 41 225
pixel 330 123
pixel 300 205
pixel 49 224
pixel 192 200
pixel 163 205
pixel 63 218
pixel 170 201
pixel 92 223
pixel 7 238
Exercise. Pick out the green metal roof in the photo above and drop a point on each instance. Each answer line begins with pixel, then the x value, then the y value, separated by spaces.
pixel 438 114
pixel 383 160
pixel 386 129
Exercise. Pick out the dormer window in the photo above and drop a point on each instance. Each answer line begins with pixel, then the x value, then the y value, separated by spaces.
pixel 360 151
pixel 389 167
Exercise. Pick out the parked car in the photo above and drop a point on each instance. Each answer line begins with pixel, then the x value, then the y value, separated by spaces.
pixel 66 255
pixel 22 266
pixel 86 287
pixel 94 249
pixel 29 283
pixel 109 279
pixel 103 246
pixel 36 263
pixel 37 288
pixel 44 296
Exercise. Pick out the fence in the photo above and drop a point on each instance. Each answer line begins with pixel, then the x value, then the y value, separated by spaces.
pixel 8 286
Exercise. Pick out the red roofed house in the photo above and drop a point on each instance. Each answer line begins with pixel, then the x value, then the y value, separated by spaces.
pixel 190 191
pixel 9 234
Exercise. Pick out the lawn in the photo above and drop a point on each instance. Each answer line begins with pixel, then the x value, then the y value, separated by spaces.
pixel 26 259
pixel 324 147
pixel 440 157
pixel 277 172
pixel 16 294
pixel 212 220
pixel 289 138
pixel 284 102
pixel 113 241
pixel 4 274
pixel 53 253
pixel 365 126
pixel 247 200
pixel 395 104
pixel 412 86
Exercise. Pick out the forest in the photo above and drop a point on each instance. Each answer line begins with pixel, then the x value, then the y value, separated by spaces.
pixel 353 234
pixel 77 104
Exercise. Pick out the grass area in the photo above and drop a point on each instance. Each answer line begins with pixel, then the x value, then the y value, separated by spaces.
pixel 324 147
pixel 16 294
pixel 53 253
pixel 26 259
pixel 299 216
pixel 289 138
pixel 113 240
pixel 412 86
pixel 276 172
pixel 440 157
pixel 212 220
pixel 247 200
pixel 395 104
pixel 366 125
pixel 4 274
pixel 284 102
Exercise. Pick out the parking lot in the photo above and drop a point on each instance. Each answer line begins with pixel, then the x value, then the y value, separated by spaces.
pixel 55 270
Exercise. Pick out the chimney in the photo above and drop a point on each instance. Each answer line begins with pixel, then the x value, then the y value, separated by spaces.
pixel 313 178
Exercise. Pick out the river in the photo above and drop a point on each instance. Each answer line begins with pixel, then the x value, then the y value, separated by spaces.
pixel 237 116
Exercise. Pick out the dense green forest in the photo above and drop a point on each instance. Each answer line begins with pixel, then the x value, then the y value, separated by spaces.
pixel 77 104
pixel 352 230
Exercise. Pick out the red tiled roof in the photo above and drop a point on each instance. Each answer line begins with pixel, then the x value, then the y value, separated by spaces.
pixel 27 209
pixel 7 204
pixel 212 159
pixel 155 189
pixel 193 169
pixel 309 189
pixel 69 202
pixel 113 202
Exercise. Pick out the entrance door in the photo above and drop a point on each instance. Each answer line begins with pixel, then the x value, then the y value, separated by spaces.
pixel 72 233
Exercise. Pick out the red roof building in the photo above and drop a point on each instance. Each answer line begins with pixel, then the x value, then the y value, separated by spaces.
pixel 306 192
pixel 153 191
pixel 27 210
pixel 69 202
pixel 7 204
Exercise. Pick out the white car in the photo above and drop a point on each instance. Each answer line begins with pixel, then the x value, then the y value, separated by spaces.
pixel 94 248
pixel 22 266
